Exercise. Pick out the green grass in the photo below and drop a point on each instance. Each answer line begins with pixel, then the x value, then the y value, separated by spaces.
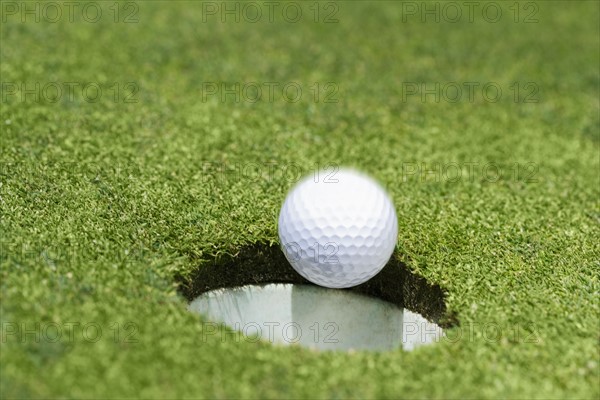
pixel 105 206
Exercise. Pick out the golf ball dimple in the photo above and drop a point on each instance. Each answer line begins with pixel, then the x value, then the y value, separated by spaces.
pixel 338 232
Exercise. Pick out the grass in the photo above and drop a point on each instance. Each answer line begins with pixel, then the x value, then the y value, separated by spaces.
pixel 106 207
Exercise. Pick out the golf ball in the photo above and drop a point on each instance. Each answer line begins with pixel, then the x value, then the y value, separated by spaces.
pixel 338 230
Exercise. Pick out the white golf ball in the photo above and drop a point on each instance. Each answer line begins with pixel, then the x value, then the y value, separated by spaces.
pixel 338 230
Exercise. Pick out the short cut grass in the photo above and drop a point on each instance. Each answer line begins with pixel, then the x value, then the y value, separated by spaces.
pixel 107 205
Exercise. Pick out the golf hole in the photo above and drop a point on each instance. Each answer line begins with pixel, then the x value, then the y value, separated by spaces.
pixel 314 317
pixel 257 285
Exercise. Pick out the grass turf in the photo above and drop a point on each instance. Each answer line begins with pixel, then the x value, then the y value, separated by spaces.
pixel 106 206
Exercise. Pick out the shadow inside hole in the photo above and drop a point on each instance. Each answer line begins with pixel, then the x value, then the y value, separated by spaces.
pixel 267 264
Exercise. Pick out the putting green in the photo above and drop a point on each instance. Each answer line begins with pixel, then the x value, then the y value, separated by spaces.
pixel 134 151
